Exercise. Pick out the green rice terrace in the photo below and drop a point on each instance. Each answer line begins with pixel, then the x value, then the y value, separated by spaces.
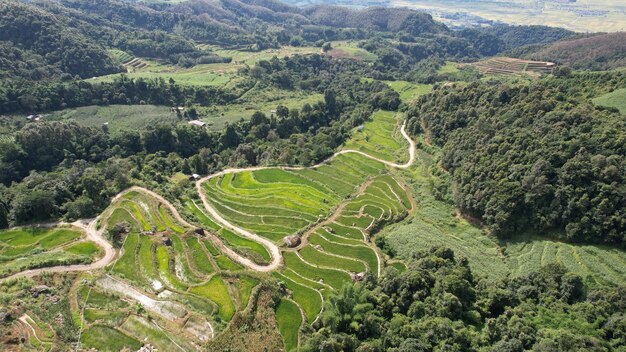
pixel 177 276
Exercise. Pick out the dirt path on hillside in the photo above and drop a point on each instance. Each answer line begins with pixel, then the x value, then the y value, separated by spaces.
pixel 304 239
pixel 93 235
pixel 271 246
pixel 97 235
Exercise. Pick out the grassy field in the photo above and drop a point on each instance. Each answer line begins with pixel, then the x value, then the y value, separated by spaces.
pixel 289 320
pixel 410 91
pixel 104 338
pixel 264 100
pixel 200 75
pixel 615 99
pixel 217 74
pixel 449 67
pixel 241 58
pixel 245 286
pixel 118 118
pixel 145 330
pixel 88 249
pixel 597 265
pixel 374 139
pixel 350 50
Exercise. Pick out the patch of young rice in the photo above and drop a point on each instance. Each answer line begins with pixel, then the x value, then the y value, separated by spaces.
pixel 217 291
pixel 334 278
pixel 323 259
pixel 309 299
pixel 288 319
pixel 199 259
pixel 363 253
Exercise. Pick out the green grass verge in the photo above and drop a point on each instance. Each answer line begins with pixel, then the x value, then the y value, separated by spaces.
pixel 87 249
pixel 245 286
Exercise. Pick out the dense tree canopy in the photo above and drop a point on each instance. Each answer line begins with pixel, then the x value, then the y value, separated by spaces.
pixel 438 305
pixel 534 156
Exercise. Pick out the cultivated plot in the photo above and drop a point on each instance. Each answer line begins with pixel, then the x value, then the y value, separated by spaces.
pixel 34 247
pixel 177 277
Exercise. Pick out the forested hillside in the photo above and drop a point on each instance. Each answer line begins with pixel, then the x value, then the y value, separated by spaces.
pixel 28 31
pixel 438 305
pixel 591 52
pixel 246 175
pixel 533 157
pixel 71 36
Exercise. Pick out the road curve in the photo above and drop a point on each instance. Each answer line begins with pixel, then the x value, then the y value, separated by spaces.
pixel 97 235
pixel 269 245
pixel 94 235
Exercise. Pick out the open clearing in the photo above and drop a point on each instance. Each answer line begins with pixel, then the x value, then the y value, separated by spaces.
pixel 373 138
pixel 216 74
pixel 410 91
pixel 350 50
pixel 118 118
pixel 615 99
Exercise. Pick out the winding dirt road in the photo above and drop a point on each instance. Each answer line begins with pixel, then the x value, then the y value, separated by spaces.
pixel 97 236
pixel 93 235
pixel 269 245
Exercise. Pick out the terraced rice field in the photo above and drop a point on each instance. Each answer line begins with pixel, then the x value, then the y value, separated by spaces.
pixel 334 207
pixel 176 286
pixel 289 320
pixel 278 202
pixel 174 274
pixel 28 248
pixel 597 265
pixel 512 66
pixel 339 247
